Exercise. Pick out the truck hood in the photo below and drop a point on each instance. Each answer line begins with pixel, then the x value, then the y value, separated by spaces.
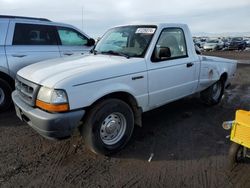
pixel 81 69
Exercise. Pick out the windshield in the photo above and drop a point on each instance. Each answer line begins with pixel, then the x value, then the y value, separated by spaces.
pixel 237 39
pixel 129 41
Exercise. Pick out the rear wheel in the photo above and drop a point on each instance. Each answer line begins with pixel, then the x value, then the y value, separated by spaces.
pixel 5 95
pixel 213 94
pixel 243 47
pixel 108 126
pixel 235 155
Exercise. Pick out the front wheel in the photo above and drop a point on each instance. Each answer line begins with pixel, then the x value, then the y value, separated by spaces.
pixel 213 94
pixel 5 95
pixel 108 126
pixel 235 155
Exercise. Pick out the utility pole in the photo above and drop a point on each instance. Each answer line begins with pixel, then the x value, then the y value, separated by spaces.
pixel 82 18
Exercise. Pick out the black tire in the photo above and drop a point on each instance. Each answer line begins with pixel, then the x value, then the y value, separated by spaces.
pixel 101 124
pixel 213 94
pixel 235 155
pixel 5 95
pixel 243 47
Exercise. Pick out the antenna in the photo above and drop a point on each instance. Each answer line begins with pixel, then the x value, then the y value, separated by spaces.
pixel 82 18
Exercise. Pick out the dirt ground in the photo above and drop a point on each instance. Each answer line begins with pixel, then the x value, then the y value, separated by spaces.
pixel 186 139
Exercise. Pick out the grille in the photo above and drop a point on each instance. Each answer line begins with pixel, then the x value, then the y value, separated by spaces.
pixel 26 90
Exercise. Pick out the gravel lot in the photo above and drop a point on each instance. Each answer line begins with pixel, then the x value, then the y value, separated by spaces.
pixel 185 140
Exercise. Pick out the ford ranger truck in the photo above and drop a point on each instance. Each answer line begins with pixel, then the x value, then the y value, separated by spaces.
pixel 132 69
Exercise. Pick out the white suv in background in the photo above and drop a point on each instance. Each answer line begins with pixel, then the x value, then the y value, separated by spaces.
pixel 25 40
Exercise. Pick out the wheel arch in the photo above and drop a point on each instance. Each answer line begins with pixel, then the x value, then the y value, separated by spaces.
pixel 127 98
pixel 224 77
pixel 8 79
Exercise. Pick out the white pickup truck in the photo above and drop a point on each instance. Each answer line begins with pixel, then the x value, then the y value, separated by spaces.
pixel 132 69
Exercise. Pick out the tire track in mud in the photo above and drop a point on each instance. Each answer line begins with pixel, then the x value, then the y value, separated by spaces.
pixel 132 182
pixel 93 172
pixel 82 175
pixel 238 176
pixel 56 159
pixel 203 178
pixel 67 167
pixel 23 161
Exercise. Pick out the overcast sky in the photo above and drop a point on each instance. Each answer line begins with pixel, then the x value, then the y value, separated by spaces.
pixel 212 16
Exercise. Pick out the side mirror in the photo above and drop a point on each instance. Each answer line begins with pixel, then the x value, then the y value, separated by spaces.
pixel 91 42
pixel 160 53
pixel 164 53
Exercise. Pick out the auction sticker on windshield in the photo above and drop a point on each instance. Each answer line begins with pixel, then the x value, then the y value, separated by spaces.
pixel 145 30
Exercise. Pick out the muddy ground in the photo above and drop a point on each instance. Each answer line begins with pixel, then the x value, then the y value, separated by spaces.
pixel 186 139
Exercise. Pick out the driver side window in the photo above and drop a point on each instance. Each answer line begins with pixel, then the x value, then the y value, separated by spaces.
pixel 70 37
pixel 171 45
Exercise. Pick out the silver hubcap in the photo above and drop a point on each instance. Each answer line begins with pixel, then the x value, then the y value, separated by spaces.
pixel 2 96
pixel 216 90
pixel 113 128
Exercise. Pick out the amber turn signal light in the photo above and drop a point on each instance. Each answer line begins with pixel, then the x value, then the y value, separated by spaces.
pixel 52 107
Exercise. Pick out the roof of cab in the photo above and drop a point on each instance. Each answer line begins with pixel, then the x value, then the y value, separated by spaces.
pixel 159 25
pixel 23 17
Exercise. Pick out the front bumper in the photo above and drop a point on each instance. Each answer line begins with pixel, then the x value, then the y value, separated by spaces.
pixel 49 125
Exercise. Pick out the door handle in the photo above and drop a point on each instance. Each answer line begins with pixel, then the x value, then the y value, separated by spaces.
pixel 137 77
pixel 68 53
pixel 190 64
pixel 18 55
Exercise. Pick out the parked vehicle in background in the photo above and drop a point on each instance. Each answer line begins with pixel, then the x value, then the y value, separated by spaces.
pixel 213 44
pixel 133 69
pixel 25 40
pixel 199 42
pixel 247 42
pixel 225 40
pixel 237 43
pixel 203 40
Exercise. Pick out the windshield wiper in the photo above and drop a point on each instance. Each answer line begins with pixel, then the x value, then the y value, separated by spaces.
pixel 93 51
pixel 111 52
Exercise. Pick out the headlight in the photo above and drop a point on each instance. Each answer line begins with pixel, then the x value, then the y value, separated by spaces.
pixel 53 100
pixel 227 125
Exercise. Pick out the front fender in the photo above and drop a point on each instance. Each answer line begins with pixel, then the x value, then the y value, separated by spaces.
pixel 109 89
pixel 85 95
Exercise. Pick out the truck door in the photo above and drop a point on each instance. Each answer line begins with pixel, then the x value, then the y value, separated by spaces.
pixel 3 34
pixel 72 42
pixel 30 43
pixel 171 70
